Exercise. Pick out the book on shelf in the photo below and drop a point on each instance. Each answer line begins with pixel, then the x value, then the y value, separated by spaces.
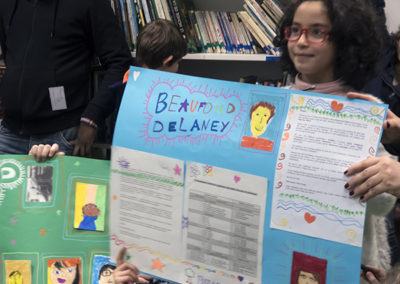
pixel 152 10
pixel 146 12
pixel 178 19
pixel 259 14
pixel 209 47
pixel 167 14
pixel 132 22
pixel 139 14
pixel 128 30
pixel 244 45
pixel 193 42
pixel 160 10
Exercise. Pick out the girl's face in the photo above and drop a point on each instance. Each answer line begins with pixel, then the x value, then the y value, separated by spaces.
pixel 63 275
pixel 314 61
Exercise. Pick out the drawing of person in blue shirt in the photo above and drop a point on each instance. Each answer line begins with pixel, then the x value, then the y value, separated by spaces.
pixel 90 213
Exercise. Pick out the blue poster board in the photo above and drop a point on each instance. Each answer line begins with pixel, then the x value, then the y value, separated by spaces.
pixel 211 122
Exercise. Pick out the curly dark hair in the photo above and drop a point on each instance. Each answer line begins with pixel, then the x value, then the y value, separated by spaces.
pixel 355 35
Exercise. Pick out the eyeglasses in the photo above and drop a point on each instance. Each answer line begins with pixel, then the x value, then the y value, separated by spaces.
pixel 313 35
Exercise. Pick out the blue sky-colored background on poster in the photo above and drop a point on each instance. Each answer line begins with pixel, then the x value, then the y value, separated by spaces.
pixel 142 106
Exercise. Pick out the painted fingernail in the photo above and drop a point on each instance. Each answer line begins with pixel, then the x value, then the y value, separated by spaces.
pixel 346 185
pixel 362 199
pixel 388 124
pixel 345 172
pixel 351 193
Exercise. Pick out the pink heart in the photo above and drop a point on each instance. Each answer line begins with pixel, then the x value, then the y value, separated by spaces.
pixel 236 178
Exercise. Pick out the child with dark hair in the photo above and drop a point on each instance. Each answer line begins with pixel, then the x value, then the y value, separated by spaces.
pixel 340 47
pixel 160 46
pixel 332 47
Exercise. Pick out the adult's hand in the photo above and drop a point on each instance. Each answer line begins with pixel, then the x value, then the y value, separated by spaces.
pixel 42 152
pixel 374 176
pixel 127 273
pixel 84 141
pixel 391 126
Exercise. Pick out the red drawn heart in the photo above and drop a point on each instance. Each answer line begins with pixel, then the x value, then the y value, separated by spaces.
pixel 309 218
pixel 336 107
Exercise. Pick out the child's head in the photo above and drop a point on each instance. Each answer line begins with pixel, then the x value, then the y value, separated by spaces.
pixel 160 46
pixel 325 40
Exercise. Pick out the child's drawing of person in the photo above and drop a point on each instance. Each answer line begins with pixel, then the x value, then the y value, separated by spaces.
pixel 260 115
pixel 65 271
pixel 90 213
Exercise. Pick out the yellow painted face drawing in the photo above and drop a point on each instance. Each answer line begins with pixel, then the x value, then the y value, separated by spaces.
pixel 15 278
pixel 259 120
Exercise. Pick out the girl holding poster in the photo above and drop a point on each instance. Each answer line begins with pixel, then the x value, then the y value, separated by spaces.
pixel 332 47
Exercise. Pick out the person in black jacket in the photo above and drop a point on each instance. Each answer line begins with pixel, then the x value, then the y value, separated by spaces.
pixel 159 46
pixel 48 48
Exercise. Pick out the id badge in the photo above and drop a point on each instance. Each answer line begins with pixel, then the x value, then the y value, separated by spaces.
pixel 57 98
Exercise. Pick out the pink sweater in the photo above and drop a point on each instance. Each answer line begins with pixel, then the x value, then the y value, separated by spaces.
pixel 337 87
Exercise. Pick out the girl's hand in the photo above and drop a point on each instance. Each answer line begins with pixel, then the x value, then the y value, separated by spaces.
pixel 127 273
pixel 374 176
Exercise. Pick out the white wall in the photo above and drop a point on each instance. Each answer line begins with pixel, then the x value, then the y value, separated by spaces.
pixel 392 11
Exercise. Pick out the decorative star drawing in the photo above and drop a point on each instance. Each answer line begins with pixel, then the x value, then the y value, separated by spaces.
pixel 177 170
pixel 14 220
pixel 43 232
pixel 157 264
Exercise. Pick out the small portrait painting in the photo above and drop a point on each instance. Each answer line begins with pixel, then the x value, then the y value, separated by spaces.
pixel 90 206
pixel 261 114
pixel 39 186
pixel 103 270
pixel 307 269
pixel 65 271
pixel 17 271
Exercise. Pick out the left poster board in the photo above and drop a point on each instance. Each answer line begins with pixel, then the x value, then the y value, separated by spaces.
pixel 54 224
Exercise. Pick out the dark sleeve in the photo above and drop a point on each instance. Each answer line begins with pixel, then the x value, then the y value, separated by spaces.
pixel 2 38
pixel 114 55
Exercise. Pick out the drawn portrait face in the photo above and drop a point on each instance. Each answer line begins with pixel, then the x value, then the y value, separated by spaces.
pixel 15 278
pixel 61 273
pixel 305 277
pixel 308 269
pixel 261 113
pixel 106 274
pixel 91 209
pixel 259 120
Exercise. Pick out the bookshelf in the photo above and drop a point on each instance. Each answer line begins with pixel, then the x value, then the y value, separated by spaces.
pixel 229 66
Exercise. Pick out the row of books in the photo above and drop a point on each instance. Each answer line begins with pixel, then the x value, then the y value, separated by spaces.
pixel 249 31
